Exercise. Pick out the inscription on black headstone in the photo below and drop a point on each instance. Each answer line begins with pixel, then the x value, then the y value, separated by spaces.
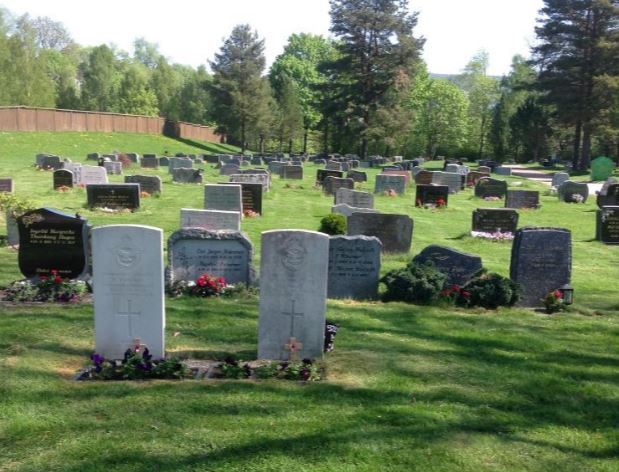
pixel 251 194
pixel 608 225
pixel 432 195
pixel 458 266
pixel 522 199
pixel 115 196
pixel 322 174
pixel 491 220
pixel 63 178
pixel 488 187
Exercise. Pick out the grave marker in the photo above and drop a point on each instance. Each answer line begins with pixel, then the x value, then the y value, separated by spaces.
pixel 150 184
pixel 223 197
pixel 394 231
pixel 211 220
pixel 114 196
pixel 354 198
pixel 491 220
pixel 522 199
pixel 459 267
pixel 607 225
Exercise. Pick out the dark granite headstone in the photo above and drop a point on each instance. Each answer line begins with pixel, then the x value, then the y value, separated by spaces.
pixel 292 172
pixel 423 177
pixel 491 220
pixel 572 192
pixel 541 262
pixel 52 240
pixel 331 184
pixel 394 231
pixel 6 185
pixel 150 162
pixel 459 267
pixel 522 199
pixel 251 195
pixel 187 176
pixel 164 161
pixel 115 196
pixel 357 175
pixel 354 267
pixel 489 187
pixel 607 225
pixel 322 174
pixel 610 196
pixel 432 195
pixel 63 178
pixel 150 184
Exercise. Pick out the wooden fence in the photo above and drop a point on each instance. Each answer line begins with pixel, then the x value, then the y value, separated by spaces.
pixel 20 118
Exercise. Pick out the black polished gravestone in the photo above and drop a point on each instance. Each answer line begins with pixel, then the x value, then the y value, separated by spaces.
pixel 6 185
pixel 491 220
pixel 541 262
pixel 459 267
pixel 63 178
pixel 322 174
pixel 489 187
pixel 607 225
pixel 251 194
pixel 522 199
pixel 431 194
pixel 357 176
pixel 610 197
pixel 50 240
pixel 114 196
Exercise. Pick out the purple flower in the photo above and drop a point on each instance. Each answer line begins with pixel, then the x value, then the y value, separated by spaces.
pixel 97 358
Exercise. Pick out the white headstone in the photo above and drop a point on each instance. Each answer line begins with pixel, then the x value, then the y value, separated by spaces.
pixel 93 175
pixel 213 220
pixel 223 197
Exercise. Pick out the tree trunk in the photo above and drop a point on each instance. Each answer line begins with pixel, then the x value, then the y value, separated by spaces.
pixel 290 146
pixel 326 138
pixel 576 148
pixel 261 144
pixel 243 144
pixel 585 156
pixel 305 132
pixel 481 137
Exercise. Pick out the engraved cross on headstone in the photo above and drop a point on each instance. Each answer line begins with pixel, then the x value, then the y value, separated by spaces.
pixel 292 315
pixel 128 310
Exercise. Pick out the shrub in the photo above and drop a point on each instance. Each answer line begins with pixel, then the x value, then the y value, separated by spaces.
pixel 416 283
pixel 490 290
pixel 125 161
pixel 46 289
pixel 553 302
pixel 333 224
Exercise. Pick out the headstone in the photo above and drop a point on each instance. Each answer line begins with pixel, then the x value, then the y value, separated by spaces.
pixel 113 168
pixel 357 176
pixel 559 177
pixel 211 220
pixel 150 184
pixel 423 177
pixel 187 176
pixel 354 267
pixel 459 267
pixel 251 195
pixel 292 172
pixel 394 231
pixel 491 220
pixel 406 174
pixel 354 198
pixel 473 177
pixel 150 162
pixel 484 169
pixel 522 199
pixel 196 251
pixel 436 195
pixel 322 174
pixel 610 197
pixel 179 163
pixel 133 157
pixel 500 170
pixel 164 161
pixel 229 169
pixel 601 168
pixel 128 289
pixel 6 185
pixel 347 210
pixel 114 196
pixel 573 192
pixel 332 184
pixel 489 187
pixel 52 240
pixel 293 292
pixel 254 178
pixel 332 165
pixel 276 166
pixel 51 162
pixel 541 262
pixel 256 161
pixel 387 183
pixel 93 175
pixel 223 197
pixel 93 156
pixel 450 179
pixel 453 168
pixel 63 178
pixel 607 225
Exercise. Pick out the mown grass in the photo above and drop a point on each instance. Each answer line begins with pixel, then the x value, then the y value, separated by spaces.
pixel 408 387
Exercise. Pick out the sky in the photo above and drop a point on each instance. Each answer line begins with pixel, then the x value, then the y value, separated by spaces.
pixel 192 31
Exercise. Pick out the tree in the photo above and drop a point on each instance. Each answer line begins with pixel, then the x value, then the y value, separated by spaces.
pixel 578 60
pixel 376 45
pixel 135 97
pixel 101 80
pixel 290 120
pixel 530 128
pixel 238 93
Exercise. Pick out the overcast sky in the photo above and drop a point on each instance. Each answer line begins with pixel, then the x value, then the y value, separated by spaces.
pixel 191 31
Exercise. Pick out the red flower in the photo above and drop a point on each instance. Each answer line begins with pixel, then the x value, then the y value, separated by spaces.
pixel 54 272
pixel 558 294
pixel 465 294
pixel 58 279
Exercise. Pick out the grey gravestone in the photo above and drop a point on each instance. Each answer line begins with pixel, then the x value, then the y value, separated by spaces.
pixel 491 220
pixel 211 220
pixel 354 198
pixel 113 168
pixel 348 210
pixel 354 267
pixel 150 162
pixel 607 225
pixel 164 161
pixel 275 167
pixel 357 176
pixel 394 231
pixel 459 267
pixel 484 169
pixel 322 174
pixel 569 189
pixel 406 174
pixel 93 175
pixel 254 177
pixel 6 185
pixel 541 262
pixel 292 172
pixel 63 178
pixel 251 194
pixel 187 176
pixel 450 179
pixel 332 184
pixel 437 195
pixel 256 161
pixel 223 197
pixel 293 293
pixel 229 169
pixel 331 165
pixel 503 170
pixel 522 199
pixel 488 187
pixel 195 251
pixel 115 196
pixel 386 183
pixel 455 168
pixel 52 240
pixel 423 177
pixel 150 184
pixel 559 177
pixel 473 177
pixel 610 197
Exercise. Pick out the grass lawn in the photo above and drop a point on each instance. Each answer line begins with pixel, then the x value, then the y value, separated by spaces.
pixel 407 388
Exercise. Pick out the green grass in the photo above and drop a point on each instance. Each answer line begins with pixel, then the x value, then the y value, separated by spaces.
pixel 408 387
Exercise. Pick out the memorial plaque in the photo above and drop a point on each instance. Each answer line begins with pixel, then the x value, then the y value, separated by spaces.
pixel 52 240
pixel 114 196
pixel 394 231
pixel 6 185
pixel 195 251
pixel 390 183
pixel 573 192
pixel 541 262
pixel 488 187
pixel 354 267
pixel 63 178
pixel 491 220
pixel 607 229
pixel 354 198
pixel 322 174
pixel 211 220
pixel 150 184
pixel 437 195
pixel 332 184
pixel 223 197
pixel 522 199
pixel 459 267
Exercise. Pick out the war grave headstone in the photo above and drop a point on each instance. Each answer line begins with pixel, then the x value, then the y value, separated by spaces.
pixel 354 267
pixel 394 231
pixel 541 262
pixel 93 175
pixel 211 220
pixel 423 177
pixel 559 177
pixel 52 240
pixel 610 197
pixel 251 194
pixel 601 168
pixel 114 196
pixel 573 192
pixel 62 178
pixel 293 294
pixel 607 225
pixel 459 267
pixel 450 179
pixel 150 162
pixel 331 184
pixel 491 220
pixel 150 184
pixel 522 199
pixel 357 176
pixel 196 251
pixel 292 172
pixel 354 198
pixel 437 195
pixel 322 174
pixel 347 210
pixel 387 183
pixel 223 197
pixel 500 170
pixel 490 188
pixel 264 179
pixel 6 185
pixel 187 176
pixel 113 168
pixel 128 289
